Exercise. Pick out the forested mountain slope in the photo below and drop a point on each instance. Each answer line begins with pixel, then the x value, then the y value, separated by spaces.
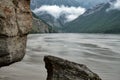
pixel 97 20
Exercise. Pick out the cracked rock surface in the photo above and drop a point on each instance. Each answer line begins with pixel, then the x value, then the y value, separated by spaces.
pixel 15 23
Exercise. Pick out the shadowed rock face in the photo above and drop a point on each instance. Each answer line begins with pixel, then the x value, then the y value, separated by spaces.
pixel 15 23
pixel 59 69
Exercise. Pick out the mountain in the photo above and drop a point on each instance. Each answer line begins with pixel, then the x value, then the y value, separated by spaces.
pixel 76 3
pixel 40 26
pixel 91 3
pixel 38 3
pixel 58 23
pixel 96 20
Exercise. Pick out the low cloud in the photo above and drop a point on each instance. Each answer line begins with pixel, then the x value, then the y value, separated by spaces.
pixel 114 5
pixel 70 13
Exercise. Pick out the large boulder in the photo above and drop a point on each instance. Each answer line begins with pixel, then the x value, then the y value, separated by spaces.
pixel 60 69
pixel 15 23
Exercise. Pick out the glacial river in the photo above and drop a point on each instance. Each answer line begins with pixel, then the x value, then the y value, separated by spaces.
pixel 100 52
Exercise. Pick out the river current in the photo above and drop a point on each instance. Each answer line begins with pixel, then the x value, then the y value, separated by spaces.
pixel 100 52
